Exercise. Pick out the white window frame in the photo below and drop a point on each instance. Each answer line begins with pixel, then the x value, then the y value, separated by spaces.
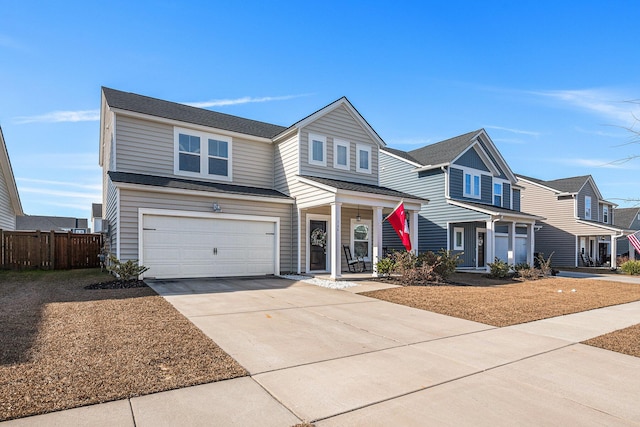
pixel 605 214
pixel 587 207
pixel 359 149
pixel 473 175
pixel 501 184
pixel 323 139
pixel 457 247
pixel 341 143
pixel 354 223
pixel 204 154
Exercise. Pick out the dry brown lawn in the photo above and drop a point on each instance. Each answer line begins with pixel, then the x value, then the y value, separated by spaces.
pixel 62 346
pixel 625 341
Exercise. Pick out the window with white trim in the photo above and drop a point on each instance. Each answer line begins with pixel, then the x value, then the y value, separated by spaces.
pixel 317 150
pixel 363 158
pixel 341 154
pixel 201 154
pixel 497 193
pixel 472 185
pixel 605 214
pixel 361 239
pixel 458 238
pixel 587 207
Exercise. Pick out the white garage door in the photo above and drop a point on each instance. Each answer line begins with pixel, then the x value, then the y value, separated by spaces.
pixel 175 247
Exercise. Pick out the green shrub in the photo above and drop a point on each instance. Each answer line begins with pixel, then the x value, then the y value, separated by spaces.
pixel 499 269
pixel 385 266
pixel 444 263
pixel 631 267
pixel 521 266
pixel 125 270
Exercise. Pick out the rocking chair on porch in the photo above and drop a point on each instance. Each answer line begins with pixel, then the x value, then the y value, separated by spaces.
pixel 356 265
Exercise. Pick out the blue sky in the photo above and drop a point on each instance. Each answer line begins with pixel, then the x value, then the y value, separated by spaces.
pixel 549 81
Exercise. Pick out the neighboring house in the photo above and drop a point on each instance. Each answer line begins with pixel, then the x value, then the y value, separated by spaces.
pixel 96 217
pixel 474 201
pixel 52 223
pixel 10 206
pixel 628 219
pixel 195 193
pixel 579 227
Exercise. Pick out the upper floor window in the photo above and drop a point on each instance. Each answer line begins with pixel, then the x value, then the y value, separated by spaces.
pixel 497 193
pixel 605 214
pixel 317 150
pixel 363 158
pixel 587 207
pixel 472 185
pixel 202 154
pixel 340 154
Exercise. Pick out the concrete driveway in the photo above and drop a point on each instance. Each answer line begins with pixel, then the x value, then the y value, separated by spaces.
pixel 337 358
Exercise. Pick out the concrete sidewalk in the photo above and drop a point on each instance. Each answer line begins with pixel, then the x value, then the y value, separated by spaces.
pixel 337 358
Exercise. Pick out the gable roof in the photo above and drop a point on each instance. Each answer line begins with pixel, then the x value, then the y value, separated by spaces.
pixel 362 188
pixel 7 171
pixel 172 110
pixel 444 151
pixel 571 185
pixel 624 217
pixel 331 107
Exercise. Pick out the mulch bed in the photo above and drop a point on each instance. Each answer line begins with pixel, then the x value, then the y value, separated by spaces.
pixel 118 284
pixel 625 341
pixel 62 346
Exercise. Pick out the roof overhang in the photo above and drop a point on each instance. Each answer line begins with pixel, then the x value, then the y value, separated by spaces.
pixel 431 167
pixel 496 214
pixel 620 231
pixel 7 171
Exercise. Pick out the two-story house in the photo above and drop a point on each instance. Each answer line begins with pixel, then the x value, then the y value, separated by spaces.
pixel 10 205
pixel 191 192
pixel 579 226
pixel 628 219
pixel 474 200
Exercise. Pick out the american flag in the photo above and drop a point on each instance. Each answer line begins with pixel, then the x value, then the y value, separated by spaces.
pixel 634 239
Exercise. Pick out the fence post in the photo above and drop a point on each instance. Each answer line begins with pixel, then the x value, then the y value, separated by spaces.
pixel 69 250
pixel 52 250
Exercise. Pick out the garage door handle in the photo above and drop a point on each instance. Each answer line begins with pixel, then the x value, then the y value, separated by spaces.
pixel 149 229
pixel 270 234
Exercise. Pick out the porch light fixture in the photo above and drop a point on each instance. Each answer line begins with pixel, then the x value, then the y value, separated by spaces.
pixel 216 207
pixel 358 218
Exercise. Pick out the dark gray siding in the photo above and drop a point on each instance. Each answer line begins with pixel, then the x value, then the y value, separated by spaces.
pixel 588 190
pixel 456 187
pixel 493 159
pixel 468 254
pixel 506 196
pixel 471 159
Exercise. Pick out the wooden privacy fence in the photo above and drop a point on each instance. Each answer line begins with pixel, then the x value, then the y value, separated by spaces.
pixel 49 250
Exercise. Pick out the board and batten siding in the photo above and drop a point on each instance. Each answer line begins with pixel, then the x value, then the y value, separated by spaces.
pixel 147 147
pixel 588 190
pixel 506 195
pixel 340 124
pixel 286 162
pixel 7 214
pixel 557 234
pixel 132 200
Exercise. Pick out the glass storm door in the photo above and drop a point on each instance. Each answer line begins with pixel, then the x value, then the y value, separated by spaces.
pixel 317 245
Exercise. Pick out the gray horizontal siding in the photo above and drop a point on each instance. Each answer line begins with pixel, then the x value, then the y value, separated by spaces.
pixel 144 146
pixel 111 215
pixel 338 124
pixel 588 190
pixel 7 215
pixel 286 162
pixel 132 200
pixel 471 159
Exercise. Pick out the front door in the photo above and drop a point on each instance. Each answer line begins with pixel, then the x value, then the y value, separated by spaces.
pixel 480 239
pixel 317 245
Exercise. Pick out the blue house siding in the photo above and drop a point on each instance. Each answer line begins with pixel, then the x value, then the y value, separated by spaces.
pixel 493 159
pixel 471 159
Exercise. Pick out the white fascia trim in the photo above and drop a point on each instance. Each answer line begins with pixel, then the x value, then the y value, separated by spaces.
pixel 602 225
pixel 213 194
pixel 395 156
pixel 103 106
pixel 505 167
pixel 488 211
pixel 371 199
pixel 553 190
pixel 194 126
pixel 483 155
pixel 430 167
pixel 593 185
pixel 317 184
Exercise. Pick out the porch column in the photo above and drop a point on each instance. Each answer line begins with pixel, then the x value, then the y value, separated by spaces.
pixel 413 231
pixel 336 244
pixel 299 249
pixel 489 245
pixel 531 234
pixel 614 249
pixel 511 253
pixel 377 239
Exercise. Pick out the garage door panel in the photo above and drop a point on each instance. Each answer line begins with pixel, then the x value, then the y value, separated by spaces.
pixel 207 247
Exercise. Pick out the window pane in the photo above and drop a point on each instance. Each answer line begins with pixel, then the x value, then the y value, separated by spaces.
pixel 497 200
pixel 467 183
pixel 218 166
pixel 189 143
pixel 476 185
pixel 364 159
pixel 361 232
pixel 497 189
pixel 342 155
pixel 458 239
pixel 189 162
pixel 361 249
pixel 318 151
pixel 218 148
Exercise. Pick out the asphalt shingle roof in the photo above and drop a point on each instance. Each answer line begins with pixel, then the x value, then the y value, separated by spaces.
pixel 624 217
pixel 187 184
pixel 496 209
pixel 363 188
pixel 443 151
pixel 185 113
pixel 565 185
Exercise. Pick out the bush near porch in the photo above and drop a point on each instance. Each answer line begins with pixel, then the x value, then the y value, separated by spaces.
pixel 411 269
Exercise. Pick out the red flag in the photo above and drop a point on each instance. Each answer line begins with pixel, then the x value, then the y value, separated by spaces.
pixel 633 239
pixel 398 221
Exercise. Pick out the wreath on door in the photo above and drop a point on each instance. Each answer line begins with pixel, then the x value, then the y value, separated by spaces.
pixel 319 237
